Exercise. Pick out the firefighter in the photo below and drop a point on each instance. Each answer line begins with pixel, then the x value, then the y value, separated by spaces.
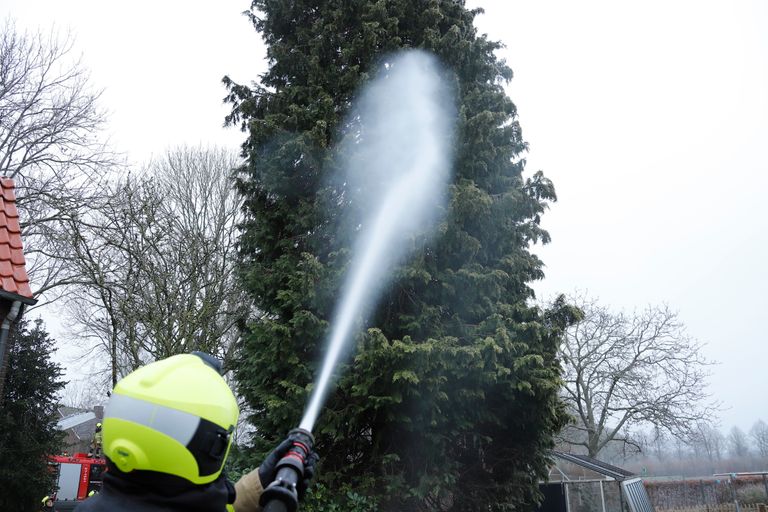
pixel 97 441
pixel 48 504
pixel 167 431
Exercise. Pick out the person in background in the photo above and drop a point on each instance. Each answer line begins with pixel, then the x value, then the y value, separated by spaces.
pixel 48 504
pixel 97 441
pixel 167 431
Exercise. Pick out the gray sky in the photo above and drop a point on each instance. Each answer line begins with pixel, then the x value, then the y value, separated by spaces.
pixel 651 118
pixel 648 116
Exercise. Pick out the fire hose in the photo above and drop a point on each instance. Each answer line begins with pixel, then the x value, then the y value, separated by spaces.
pixel 282 494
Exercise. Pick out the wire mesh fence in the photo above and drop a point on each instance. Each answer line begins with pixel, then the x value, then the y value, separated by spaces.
pixel 724 494
pixel 729 507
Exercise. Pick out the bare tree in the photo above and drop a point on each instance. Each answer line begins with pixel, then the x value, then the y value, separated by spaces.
pixel 156 263
pixel 708 441
pixel 83 394
pixel 738 443
pixel 659 443
pixel 50 127
pixel 626 370
pixel 759 435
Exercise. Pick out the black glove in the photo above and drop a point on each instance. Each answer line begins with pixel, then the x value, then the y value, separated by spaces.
pixel 268 468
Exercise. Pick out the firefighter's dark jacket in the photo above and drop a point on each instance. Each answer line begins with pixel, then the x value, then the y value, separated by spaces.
pixel 147 491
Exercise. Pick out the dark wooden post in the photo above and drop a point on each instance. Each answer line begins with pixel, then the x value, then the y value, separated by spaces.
pixel 703 495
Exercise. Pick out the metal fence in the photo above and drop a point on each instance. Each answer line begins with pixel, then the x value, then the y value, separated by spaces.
pixel 713 494
pixel 730 507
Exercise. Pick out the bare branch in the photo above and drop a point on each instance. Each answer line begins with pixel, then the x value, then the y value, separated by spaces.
pixel 622 371
pixel 156 262
pixel 50 126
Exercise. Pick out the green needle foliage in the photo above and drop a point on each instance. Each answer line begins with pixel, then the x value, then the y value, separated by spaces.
pixel 28 431
pixel 451 399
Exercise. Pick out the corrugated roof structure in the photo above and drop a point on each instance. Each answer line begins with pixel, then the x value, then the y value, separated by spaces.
pixel 595 465
pixel 13 271
pixel 78 438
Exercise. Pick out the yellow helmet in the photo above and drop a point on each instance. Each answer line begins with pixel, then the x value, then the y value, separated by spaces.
pixel 174 416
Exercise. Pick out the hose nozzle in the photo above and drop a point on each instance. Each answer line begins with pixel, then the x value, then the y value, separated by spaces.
pixel 282 493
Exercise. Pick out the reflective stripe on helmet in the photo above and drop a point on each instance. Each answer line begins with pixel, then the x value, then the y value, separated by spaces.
pixel 176 424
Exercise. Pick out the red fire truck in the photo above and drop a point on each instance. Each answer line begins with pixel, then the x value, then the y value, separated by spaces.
pixel 76 476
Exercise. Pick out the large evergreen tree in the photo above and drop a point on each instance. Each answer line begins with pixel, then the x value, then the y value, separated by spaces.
pixel 451 399
pixel 27 418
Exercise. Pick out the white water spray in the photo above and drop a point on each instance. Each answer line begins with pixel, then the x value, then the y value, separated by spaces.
pixel 399 159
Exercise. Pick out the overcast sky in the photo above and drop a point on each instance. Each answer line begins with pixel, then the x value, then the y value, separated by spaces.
pixel 650 117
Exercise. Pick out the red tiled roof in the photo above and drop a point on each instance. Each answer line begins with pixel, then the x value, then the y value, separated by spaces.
pixel 13 270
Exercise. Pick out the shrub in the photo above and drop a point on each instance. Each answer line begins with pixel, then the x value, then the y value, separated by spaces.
pixel 752 494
